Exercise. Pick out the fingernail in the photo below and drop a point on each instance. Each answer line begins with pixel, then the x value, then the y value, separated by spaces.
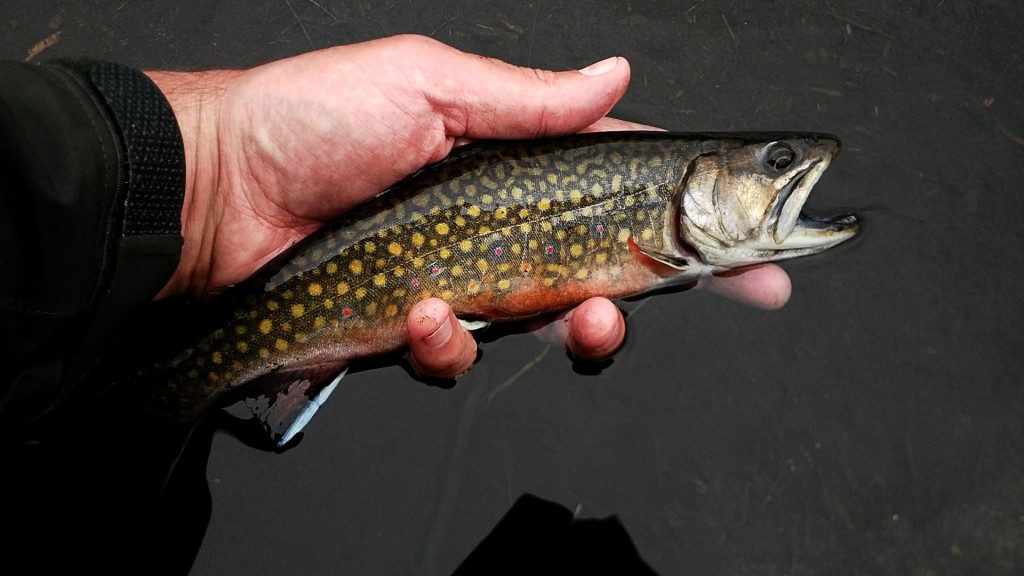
pixel 440 336
pixel 603 67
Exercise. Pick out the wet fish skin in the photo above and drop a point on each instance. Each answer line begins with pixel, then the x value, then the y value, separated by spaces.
pixel 507 230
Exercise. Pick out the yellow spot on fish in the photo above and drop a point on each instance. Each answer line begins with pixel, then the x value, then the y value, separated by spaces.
pixel 319 322
pixel 315 289
pixel 391 310
pixel 473 210
pixel 417 239
pixel 399 292
pixel 504 284
pixel 281 345
pixel 544 204
pixel 217 358
pixel 647 234
pixel 266 325
pixel 328 304
pixel 582 274
pixel 456 270
pixel 487 198
pixel 379 280
pixel 264 353
pixel 271 305
pixel 332 267
pixel 342 288
pixel 525 228
pixel 356 267
pixel 575 250
pixel 466 245
pixel 395 248
pixel 240 329
pixel 213 376
pixel 501 213
pixel 369 247
pixel 481 265
pixel 549 282
pixel 447 295
pixel 298 310
pixel 473 287
pixel 301 338
pixel 575 196
pixel 360 293
pixel 371 308
pixel 524 212
pixel 460 221
pixel 242 347
pixel 601 257
pixel 441 228
pixel 445 253
pixel 193 373
pixel 623 235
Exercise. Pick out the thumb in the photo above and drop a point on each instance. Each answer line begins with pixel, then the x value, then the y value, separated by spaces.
pixel 485 98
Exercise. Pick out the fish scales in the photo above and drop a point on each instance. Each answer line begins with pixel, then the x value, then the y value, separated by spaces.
pixel 508 230
pixel 521 230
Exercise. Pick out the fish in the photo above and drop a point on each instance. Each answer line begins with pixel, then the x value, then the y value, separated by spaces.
pixel 502 231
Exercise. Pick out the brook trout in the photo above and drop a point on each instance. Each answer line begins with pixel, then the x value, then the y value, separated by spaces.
pixel 502 231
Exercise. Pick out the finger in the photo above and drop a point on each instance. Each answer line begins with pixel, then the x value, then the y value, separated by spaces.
pixel 594 330
pixel 763 286
pixel 486 98
pixel 439 347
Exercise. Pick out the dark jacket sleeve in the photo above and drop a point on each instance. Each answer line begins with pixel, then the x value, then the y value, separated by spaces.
pixel 91 188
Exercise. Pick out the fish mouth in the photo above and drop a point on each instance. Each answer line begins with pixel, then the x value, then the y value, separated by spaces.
pixel 792 229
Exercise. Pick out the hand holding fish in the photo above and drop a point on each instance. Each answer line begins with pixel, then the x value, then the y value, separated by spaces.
pixel 274 152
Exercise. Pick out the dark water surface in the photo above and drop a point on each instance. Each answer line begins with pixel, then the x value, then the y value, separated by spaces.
pixel 872 426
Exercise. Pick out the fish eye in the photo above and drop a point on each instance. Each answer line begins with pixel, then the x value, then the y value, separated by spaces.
pixel 778 156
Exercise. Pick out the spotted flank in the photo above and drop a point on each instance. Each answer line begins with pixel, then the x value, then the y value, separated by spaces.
pixel 503 231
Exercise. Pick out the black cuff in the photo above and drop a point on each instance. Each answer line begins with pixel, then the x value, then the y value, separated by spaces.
pixel 155 159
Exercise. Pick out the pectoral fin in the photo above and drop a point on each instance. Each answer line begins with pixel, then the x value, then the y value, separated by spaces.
pixel 473 325
pixel 674 261
pixel 286 401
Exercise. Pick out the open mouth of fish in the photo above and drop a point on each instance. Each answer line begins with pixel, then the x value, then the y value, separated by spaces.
pixel 791 228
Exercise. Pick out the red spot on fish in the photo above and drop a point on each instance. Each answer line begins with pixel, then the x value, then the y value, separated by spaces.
pixel 499 251
pixel 346 312
pixel 415 282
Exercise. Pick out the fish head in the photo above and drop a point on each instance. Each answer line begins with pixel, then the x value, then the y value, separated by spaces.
pixel 742 200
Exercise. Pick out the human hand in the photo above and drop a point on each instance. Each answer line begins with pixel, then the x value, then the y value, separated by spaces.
pixel 274 152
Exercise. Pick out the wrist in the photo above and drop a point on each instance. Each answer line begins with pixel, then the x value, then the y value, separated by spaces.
pixel 195 98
